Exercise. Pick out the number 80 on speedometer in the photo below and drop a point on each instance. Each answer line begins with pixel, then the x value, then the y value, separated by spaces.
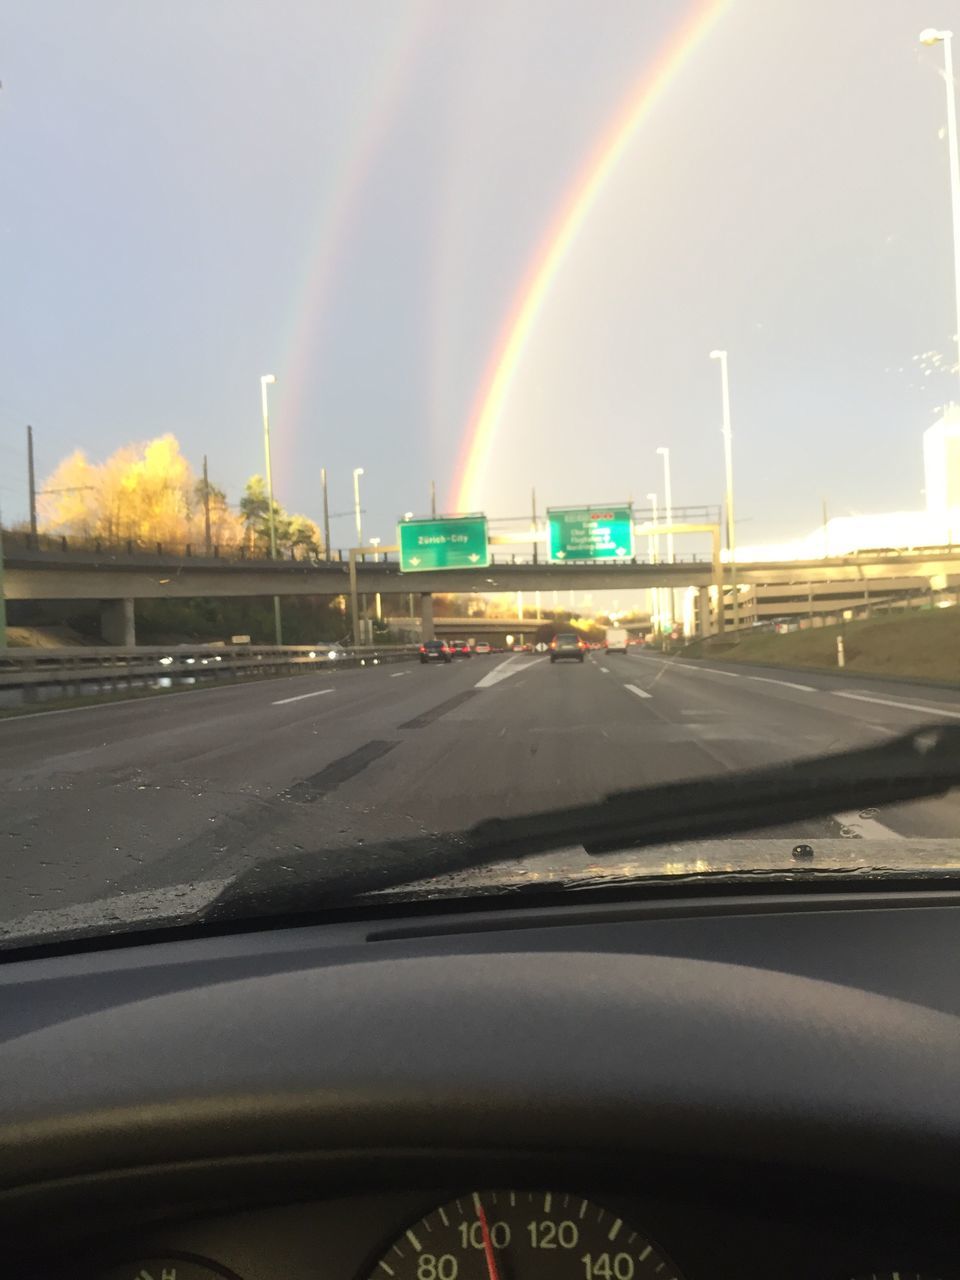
pixel 523 1235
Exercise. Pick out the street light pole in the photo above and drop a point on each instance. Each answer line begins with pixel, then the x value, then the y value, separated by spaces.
pixel 357 473
pixel 655 558
pixel 267 380
pixel 375 542
pixel 932 36
pixel 728 465
pixel 668 502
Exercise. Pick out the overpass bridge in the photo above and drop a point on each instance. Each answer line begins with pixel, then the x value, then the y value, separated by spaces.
pixel 119 576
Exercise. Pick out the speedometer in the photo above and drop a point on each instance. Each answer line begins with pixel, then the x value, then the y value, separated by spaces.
pixel 523 1235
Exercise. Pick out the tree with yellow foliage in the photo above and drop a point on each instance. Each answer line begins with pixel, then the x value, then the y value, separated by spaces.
pixel 148 493
pixel 143 492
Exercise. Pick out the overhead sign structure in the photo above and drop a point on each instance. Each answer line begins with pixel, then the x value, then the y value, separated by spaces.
pixel 590 533
pixel 448 542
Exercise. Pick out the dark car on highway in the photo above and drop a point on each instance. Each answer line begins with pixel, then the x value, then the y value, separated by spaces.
pixel 460 648
pixel 434 651
pixel 567 644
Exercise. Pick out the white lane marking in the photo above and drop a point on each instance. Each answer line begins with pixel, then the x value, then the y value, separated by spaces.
pixel 734 675
pixel 395 675
pixel 605 670
pixel 866 826
pixel 902 706
pixel 300 696
pixel 641 693
pixel 787 684
pixel 502 671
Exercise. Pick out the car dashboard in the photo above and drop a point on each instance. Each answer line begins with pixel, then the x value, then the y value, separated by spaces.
pixel 682 1087
pixel 366 1236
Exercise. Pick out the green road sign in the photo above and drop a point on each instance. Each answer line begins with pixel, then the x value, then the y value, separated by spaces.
pixel 590 533
pixel 454 542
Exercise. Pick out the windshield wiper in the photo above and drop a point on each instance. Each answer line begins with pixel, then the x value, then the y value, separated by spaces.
pixel 923 763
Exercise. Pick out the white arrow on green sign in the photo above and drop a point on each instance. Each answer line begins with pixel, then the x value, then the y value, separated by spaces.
pixel 452 542
pixel 590 533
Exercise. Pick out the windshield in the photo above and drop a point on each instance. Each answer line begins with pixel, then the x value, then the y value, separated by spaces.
pixel 419 416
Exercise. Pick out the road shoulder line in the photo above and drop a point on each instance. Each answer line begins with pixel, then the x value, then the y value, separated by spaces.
pixel 890 702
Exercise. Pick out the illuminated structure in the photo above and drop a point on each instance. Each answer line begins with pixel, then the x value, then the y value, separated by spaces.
pixel 941 469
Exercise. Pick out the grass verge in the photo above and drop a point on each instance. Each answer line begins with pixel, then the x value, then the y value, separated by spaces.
pixel 923 646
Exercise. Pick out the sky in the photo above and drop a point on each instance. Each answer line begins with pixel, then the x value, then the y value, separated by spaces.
pixel 353 196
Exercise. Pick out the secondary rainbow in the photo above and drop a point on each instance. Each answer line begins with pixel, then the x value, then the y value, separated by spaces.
pixel 528 302
pixel 342 189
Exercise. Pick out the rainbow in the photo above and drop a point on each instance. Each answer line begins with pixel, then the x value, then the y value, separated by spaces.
pixel 528 302
pixel 334 220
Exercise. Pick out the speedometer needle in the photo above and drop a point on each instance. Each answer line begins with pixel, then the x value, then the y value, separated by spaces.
pixel 492 1270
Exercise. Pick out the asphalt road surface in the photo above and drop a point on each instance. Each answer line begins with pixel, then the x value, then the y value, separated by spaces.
pixel 163 795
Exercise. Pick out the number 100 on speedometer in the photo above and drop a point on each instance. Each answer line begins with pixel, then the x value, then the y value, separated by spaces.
pixel 523 1235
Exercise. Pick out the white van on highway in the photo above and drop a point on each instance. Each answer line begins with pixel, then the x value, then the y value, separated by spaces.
pixel 616 640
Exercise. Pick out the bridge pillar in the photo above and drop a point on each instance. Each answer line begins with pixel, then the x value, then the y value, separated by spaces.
pixel 117 625
pixel 426 616
pixel 703 602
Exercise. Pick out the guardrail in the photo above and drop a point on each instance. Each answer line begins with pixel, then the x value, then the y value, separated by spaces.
pixel 31 670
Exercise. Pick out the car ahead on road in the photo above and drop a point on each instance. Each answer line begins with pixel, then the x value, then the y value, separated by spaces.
pixel 459 648
pixel 567 644
pixel 482 647
pixel 435 651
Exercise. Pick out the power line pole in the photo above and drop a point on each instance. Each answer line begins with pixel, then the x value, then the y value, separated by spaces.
pixel 3 602
pixel 326 514
pixel 33 487
pixel 206 508
pixel 533 502
pixel 433 497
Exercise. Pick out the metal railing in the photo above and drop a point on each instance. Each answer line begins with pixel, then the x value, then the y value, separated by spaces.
pixel 46 544
pixel 117 667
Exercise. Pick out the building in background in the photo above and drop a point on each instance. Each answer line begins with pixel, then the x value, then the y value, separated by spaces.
pixel 941 470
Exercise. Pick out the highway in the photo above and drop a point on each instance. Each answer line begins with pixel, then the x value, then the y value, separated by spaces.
pixel 153 803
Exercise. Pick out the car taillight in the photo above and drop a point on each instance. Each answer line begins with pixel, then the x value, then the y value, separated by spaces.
pixel 423 648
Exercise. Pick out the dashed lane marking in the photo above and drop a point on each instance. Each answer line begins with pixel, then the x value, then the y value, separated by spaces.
pixel 641 693
pixel 866 826
pixel 317 693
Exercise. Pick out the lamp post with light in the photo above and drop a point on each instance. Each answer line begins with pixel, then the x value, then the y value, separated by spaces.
pixel 266 380
pixel 655 558
pixel 728 467
pixel 357 473
pixel 932 36
pixel 668 513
